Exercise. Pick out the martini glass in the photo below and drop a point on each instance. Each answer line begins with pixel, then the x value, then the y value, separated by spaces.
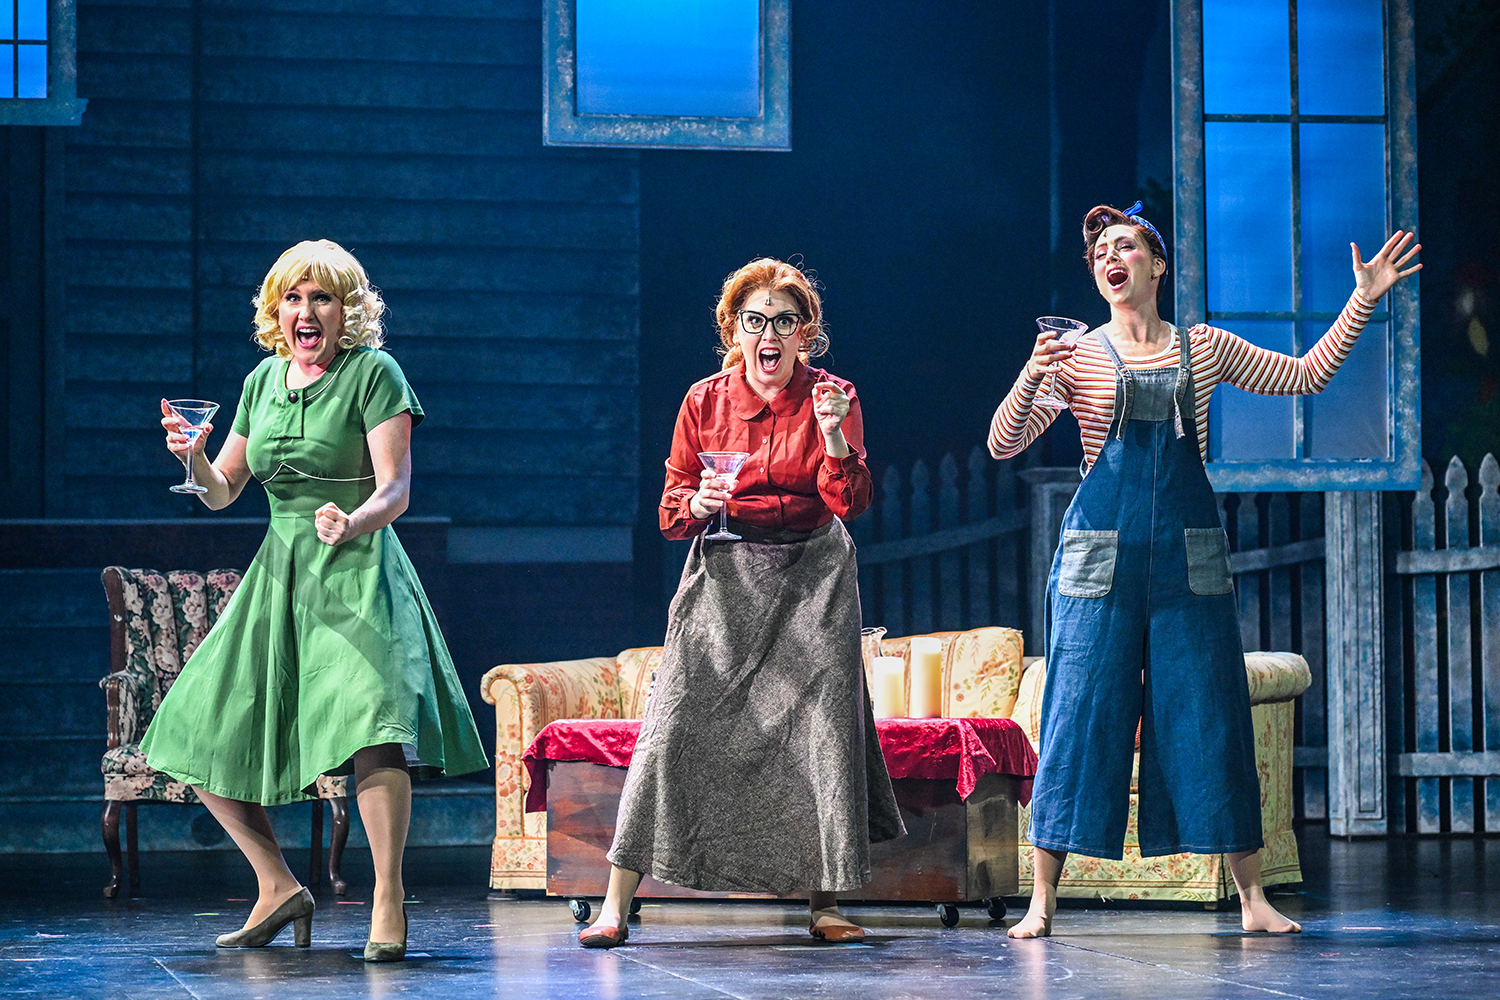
pixel 1068 332
pixel 725 465
pixel 193 414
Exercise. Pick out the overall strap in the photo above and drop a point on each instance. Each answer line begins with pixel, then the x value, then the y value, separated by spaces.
pixel 1184 388
pixel 1124 384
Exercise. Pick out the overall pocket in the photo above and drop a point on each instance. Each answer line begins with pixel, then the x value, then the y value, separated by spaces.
pixel 1208 561
pixel 1088 563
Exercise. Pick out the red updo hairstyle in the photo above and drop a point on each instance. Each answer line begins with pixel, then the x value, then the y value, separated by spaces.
pixel 1101 217
pixel 770 275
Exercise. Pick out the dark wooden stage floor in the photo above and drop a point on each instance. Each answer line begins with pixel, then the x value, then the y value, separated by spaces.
pixel 1399 918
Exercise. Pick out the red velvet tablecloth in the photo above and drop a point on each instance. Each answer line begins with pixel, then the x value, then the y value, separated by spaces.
pixel 961 750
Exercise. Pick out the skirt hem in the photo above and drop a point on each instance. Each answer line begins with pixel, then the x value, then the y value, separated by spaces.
pixel 342 766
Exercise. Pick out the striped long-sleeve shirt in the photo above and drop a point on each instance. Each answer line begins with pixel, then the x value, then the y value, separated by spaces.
pixel 1087 380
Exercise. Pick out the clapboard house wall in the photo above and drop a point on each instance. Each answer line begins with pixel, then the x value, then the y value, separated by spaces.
pixel 218 133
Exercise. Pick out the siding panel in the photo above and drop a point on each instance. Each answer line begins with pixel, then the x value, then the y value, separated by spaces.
pixel 212 143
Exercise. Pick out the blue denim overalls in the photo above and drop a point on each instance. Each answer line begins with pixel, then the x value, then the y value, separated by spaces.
pixel 1143 627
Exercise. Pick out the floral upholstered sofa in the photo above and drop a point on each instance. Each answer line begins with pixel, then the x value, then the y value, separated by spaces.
pixel 984 675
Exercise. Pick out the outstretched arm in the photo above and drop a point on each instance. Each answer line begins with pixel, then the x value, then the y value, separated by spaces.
pixel 1257 369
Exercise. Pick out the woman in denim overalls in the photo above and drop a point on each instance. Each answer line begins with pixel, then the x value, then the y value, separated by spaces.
pixel 1143 623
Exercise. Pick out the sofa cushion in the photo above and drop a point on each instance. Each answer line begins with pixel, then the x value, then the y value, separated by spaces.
pixel 1028 708
pixel 981 670
pixel 636 668
pixel 984 673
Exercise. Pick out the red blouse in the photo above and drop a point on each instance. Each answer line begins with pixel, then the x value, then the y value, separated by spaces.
pixel 789 482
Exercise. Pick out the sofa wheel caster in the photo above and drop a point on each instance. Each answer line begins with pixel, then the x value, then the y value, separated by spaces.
pixel 996 908
pixel 947 914
pixel 635 907
pixel 581 909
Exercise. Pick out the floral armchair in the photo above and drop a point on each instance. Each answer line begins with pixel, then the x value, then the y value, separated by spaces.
pixel 984 675
pixel 156 620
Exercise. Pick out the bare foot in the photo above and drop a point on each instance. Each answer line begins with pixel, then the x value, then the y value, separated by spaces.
pixel 1258 915
pixel 1037 923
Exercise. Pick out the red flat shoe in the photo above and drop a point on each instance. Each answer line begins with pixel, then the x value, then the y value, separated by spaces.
pixel 603 937
pixel 838 930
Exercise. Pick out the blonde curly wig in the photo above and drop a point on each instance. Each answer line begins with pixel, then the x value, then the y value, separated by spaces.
pixel 335 270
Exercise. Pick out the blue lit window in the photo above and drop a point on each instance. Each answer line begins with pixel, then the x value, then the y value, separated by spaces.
pixel 37 64
pixel 1304 139
pixel 25 43
pixel 670 73
pixel 691 57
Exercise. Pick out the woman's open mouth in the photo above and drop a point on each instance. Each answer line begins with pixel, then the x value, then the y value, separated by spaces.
pixel 768 358
pixel 1116 276
pixel 308 338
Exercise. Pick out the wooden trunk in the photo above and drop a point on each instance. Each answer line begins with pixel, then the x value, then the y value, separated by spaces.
pixel 954 850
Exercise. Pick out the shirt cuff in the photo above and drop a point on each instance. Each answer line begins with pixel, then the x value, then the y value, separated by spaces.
pixel 847 464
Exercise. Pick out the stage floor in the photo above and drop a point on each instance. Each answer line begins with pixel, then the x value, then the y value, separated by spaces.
pixel 1399 918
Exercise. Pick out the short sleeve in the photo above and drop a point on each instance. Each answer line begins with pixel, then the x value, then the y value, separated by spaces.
pixel 386 393
pixel 248 394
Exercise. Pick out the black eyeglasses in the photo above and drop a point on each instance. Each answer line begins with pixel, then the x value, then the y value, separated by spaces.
pixel 783 326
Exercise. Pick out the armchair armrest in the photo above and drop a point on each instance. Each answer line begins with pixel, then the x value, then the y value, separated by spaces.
pixel 527 696
pixel 1276 677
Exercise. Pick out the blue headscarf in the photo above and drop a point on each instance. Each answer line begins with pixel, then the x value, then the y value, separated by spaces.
pixel 1129 213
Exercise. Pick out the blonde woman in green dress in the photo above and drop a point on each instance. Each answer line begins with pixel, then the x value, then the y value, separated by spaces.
pixel 328 658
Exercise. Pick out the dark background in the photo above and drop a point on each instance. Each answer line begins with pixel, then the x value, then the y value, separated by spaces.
pixel 551 306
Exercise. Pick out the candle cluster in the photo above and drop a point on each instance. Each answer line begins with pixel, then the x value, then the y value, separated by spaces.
pixel 914 694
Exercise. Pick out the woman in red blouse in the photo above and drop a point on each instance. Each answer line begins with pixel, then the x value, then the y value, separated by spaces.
pixel 758 768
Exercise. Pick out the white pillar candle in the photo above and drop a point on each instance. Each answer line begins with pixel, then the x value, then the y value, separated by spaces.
pixel 889 687
pixel 926 701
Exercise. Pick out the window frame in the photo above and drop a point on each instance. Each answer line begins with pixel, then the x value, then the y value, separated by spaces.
pixel 563 126
pixel 1401 470
pixel 62 105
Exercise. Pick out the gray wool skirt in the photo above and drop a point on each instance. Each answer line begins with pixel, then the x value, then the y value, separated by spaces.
pixel 758 768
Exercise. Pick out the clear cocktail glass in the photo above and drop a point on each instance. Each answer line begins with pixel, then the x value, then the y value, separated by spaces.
pixel 1068 332
pixel 193 414
pixel 725 465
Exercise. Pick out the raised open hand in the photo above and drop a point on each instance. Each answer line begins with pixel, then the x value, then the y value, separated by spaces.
pixel 1374 279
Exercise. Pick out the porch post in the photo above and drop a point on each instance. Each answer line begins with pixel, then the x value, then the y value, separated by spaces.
pixel 1356 665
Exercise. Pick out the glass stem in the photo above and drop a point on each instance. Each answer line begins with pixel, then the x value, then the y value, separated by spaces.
pixel 190 480
pixel 724 518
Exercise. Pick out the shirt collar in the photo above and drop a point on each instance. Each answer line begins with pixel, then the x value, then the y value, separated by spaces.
pixel 747 405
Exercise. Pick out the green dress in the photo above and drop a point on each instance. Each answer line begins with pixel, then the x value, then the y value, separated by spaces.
pixel 323 649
